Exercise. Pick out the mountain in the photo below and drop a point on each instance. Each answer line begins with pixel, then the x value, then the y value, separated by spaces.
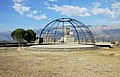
pixel 103 28
pixel 99 31
pixel 112 31
pixel 106 32
pixel 5 36
pixel 37 31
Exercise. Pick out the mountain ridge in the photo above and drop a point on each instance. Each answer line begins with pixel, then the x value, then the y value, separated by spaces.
pixel 97 30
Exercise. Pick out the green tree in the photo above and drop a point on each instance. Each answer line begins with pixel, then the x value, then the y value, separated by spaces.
pixel 18 35
pixel 30 35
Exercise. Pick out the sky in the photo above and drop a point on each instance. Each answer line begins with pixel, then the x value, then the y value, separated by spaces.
pixel 35 14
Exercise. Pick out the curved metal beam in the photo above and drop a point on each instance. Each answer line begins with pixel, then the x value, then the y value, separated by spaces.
pixel 81 30
pixel 56 31
pixel 90 34
pixel 76 32
pixel 73 23
pixel 50 28
pixel 78 22
pixel 45 27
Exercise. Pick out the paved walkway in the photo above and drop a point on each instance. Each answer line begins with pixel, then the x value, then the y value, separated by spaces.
pixel 63 46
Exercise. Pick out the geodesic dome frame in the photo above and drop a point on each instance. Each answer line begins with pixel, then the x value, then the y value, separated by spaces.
pixel 54 30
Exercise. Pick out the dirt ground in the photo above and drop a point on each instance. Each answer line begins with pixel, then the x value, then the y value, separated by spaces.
pixel 21 62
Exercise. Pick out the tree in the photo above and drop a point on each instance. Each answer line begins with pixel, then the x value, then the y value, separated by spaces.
pixel 18 35
pixel 30 35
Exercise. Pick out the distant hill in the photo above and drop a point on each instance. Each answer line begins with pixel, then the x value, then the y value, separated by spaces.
pixel 99 31
pixel 5 36
pixel 106 32
pixel 112 31
pixel 37 31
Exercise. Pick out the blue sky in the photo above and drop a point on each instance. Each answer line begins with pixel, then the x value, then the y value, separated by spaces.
pixel 35 14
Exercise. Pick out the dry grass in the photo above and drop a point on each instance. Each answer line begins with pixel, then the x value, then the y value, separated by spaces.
pixel 18 62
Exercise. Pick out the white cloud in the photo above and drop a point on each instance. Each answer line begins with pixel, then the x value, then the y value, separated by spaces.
pixel 71 10
pixel 116 5
pixel 17 0
pixel 96 4
pixel 20 8
pixel 52 0
pixel 33 15
pixel 115 22
pixel 113 12
pixel 46 3
pixel 34 12
pixel 37 17
pixel 40 17
pixel 104 11
pixel 116 8
pixel 26 11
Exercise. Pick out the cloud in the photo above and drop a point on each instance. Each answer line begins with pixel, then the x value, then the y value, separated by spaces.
pixel 97 10
pixel 113 12
pixel 26 11
pixel 52 0
pixel 34 16
pixel 116 8
pixel 37 17
pixel 47 2
pixel 96 4
pixel 104 11
pixel 17 0
pixel 116 5
pixel 34 11
pixel 115 22
pixel 20 8
pixel 70 10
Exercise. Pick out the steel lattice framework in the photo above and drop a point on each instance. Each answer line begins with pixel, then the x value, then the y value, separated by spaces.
pixel 55 30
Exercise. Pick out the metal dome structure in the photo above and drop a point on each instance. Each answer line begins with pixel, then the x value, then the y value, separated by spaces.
pixel 66 30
